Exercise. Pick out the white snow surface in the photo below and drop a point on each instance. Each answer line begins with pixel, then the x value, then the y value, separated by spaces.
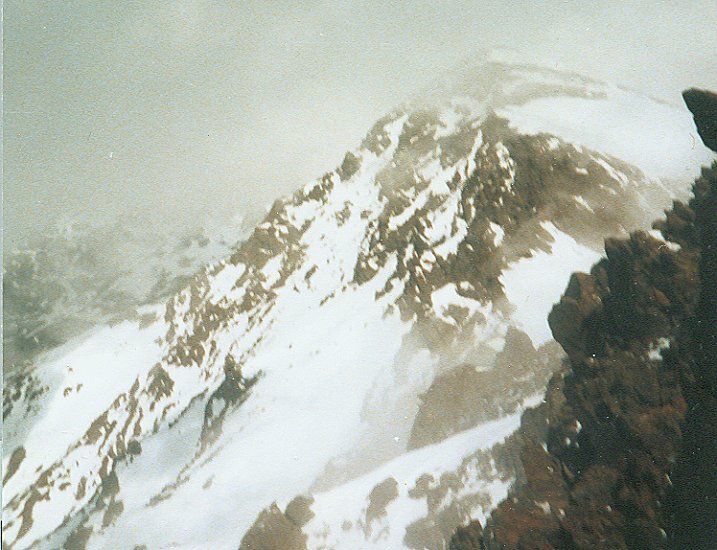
pixel 658 138
pixel 318 367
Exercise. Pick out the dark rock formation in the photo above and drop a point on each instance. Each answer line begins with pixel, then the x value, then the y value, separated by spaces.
pixel 630 455
pixel 693 502
pixel 703 105
pixel 468 537
pixel 231 393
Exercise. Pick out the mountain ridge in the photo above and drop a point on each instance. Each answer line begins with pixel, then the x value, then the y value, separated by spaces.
pixel 419 229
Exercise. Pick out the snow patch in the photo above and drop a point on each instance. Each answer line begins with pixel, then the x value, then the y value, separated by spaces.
pixel 533 285
pixel 657 138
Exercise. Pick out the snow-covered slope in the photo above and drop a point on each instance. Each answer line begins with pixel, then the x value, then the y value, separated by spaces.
pixel 297 365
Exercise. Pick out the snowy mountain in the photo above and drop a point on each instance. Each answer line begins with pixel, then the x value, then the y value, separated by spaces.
pixel 305 372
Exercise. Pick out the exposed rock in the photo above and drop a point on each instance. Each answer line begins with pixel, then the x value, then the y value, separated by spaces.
pixel 464 397
pixel 16 458
pixel 349 166
pixel 134 447
pixel 468 537
pixel 273 530
pixel 299 510
pixel 615 436
pixel 380 497
pixel 703 105
pixel 693 503
pixel 231 393
pixel 78 539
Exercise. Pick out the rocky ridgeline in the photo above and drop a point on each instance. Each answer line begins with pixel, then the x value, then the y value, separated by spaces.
pixel 627 457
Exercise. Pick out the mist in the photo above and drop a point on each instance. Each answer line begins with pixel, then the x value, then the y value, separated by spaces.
pixel 190 113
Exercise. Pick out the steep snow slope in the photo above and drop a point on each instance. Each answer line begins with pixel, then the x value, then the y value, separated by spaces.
pixel 296 365
pixel 343 519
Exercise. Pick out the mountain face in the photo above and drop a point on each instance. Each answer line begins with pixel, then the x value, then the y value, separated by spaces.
pixel 298 393
pixel 625 448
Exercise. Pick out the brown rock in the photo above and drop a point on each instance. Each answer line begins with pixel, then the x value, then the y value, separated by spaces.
pixel 273 530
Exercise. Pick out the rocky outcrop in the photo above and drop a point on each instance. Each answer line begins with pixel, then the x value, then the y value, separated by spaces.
pixel 464 396
pixel 231 393
pixel 629 457
pixel 274 529
pixel 703 105
pixel 693 501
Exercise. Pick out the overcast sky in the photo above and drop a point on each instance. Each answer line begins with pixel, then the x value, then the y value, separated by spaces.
pixel 189 111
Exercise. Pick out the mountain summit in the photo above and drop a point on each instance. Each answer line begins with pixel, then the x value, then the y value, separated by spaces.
pixel 294 395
